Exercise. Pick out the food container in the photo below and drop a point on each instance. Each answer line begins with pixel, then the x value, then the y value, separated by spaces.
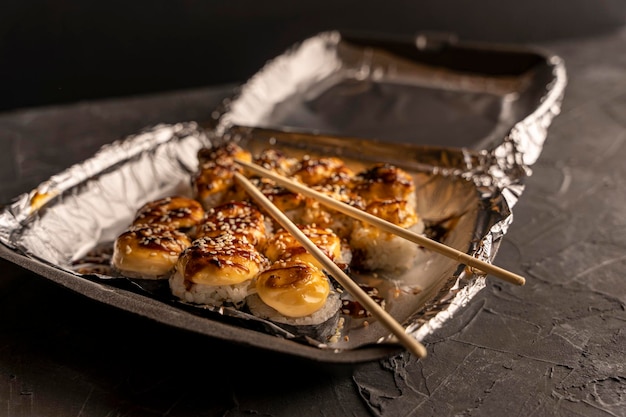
pixel 466 120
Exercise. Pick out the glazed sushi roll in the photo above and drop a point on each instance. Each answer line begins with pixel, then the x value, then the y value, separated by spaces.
pixel 214 182
pixel 387 192
pixel 330 176
pixel 148 251
pixel 296 295
pixel 217 271
pixel 374 249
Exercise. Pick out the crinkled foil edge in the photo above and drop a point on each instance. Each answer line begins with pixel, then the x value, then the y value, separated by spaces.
pixel 510 164
pixel 148 148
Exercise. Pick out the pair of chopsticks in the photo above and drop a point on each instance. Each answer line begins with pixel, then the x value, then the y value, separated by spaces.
pixel 376 310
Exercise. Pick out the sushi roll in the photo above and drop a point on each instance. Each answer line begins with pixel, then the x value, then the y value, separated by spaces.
pixel 332 177
pixel 148 251
pixel 216 271
pixel 176 212
pixel 297 296
pixel 294 288
pixel 239 218
pixel 214 182
pixel 374 249
pixel 387 192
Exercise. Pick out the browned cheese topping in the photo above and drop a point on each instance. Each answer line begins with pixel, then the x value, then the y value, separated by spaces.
pixel 215 180
pixel 222 260
pixel 275 160
pixel 383 182
pixel 224 154
pixel 323 171
pixel 175 212
pixel 293 288
pixel 148 251
pixel 398 212
pixel 283 246
pixel 155 238
pixel 237 218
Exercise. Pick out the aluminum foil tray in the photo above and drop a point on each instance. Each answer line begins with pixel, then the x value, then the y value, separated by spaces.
pixel 467 121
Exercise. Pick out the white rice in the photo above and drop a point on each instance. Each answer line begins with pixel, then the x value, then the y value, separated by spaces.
pixel 212 295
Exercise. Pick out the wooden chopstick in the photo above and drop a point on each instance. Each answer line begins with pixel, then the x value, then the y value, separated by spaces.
pixel 410 343
pixel 387 226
